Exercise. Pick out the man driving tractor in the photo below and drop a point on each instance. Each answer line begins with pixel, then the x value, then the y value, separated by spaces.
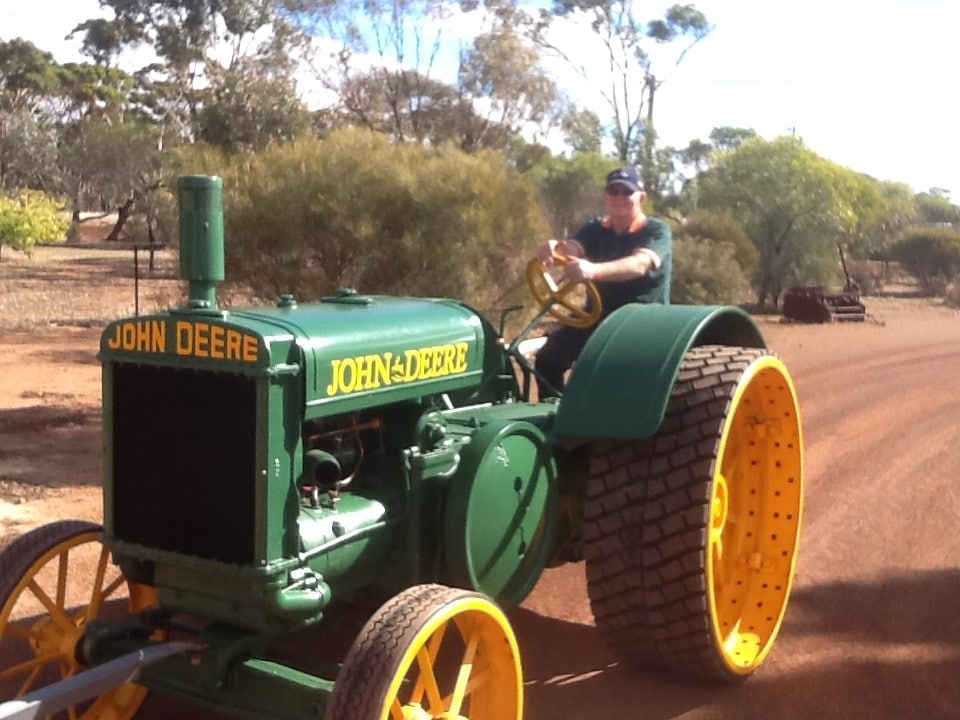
pixel 626 253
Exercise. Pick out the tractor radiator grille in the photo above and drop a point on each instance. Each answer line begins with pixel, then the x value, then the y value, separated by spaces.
pixel 184 445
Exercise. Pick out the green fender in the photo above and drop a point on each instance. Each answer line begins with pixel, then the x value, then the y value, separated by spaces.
pixel 623 378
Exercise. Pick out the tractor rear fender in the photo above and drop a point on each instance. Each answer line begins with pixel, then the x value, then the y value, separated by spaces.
pixel 622 380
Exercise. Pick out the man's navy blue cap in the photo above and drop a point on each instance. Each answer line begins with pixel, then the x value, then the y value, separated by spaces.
pixel 626 175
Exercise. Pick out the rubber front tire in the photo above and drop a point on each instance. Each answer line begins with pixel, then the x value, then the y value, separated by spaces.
pixel 53 581
pixel 431 652
pixel 691 535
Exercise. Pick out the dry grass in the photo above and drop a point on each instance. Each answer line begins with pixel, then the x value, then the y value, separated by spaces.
pixel 66 285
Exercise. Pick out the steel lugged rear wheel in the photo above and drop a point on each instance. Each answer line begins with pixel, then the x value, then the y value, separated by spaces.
pixel 691 535
pixel 54 581
pixel 431 652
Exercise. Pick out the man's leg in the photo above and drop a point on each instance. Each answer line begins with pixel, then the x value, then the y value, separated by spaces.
pixel 557 355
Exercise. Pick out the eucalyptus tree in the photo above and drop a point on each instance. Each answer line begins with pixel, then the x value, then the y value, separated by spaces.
pixel 395 66
pixel 624 75
pixel 501 80
pixel 204 50
pixel 28 76
pixel 114 167
pixel 935 207
pixel 727 138
pixel 792 203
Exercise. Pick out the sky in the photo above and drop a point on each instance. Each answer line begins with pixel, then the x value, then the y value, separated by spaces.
pixel 869 84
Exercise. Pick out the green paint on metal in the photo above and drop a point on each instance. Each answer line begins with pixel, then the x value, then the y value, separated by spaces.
pixel 623 379
pixel 201 237
pixel 501 511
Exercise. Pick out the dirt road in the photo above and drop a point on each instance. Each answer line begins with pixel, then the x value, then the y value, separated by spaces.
pixel 873 629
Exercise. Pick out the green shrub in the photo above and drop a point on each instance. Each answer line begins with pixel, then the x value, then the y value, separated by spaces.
pixel 705 272
pixel 32 217
pixel 931 254
pixel 723 227
pixel 357 210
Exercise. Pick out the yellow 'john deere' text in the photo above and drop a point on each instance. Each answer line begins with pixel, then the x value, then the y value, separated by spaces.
pixel 369 372
pixel 190 339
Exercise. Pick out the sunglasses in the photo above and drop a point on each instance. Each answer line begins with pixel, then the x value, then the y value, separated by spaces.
pixel 620 191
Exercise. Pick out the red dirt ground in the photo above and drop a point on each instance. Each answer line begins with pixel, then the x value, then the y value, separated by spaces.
pixel 873 629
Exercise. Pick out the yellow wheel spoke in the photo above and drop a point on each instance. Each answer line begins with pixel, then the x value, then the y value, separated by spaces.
pixel 96 596
pixel 396 710
pixel 432 649
pixel 33 666
pixel 62 566
pixel 55 610
pixel 429 679
pixel 463 677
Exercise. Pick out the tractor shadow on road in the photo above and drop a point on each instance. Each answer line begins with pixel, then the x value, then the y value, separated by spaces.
pixel 883 649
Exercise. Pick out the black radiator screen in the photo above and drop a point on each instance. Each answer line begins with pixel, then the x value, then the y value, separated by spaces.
pixel 184 461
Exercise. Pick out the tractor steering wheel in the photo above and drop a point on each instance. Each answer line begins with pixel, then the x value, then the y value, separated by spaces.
pixel 576 304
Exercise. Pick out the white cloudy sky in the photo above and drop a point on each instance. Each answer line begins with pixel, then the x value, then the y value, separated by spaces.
pixel 870 84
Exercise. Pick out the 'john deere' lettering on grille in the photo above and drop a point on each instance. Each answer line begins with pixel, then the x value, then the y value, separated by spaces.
pixel 188 339
pixel 369 372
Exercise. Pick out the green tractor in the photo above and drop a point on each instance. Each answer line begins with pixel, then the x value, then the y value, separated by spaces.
pixel 324 510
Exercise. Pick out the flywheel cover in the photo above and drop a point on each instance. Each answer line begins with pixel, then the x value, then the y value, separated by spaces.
pixel 501 512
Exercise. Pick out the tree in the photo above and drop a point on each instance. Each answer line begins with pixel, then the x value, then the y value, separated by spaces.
pixel 200 43
pixel 705 272
pixel 28 152
pixel 936 208
pixel 571 190
pixel 502 74
pixel 932 254
pixel 628 84
pixel 27 77
pixel 30 217
pixel 249 111
pixel 582 132
pixel 727 138
pixel 722 227
pixel 498 90
pixel 116 166
pixel 790 203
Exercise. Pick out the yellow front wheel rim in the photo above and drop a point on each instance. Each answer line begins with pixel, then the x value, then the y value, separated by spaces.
pixel 430 653
pixel 68 583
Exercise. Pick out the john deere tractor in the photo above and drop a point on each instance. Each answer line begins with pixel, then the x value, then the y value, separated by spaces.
pixel 326 510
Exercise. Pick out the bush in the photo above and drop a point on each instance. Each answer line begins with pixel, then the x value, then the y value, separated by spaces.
pixel 357 210
pixel 951 295
pixel 705 272
pixel 723 227
pixel 32 217
pixel 931 254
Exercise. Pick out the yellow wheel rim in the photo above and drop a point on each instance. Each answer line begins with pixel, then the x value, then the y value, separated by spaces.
pixel 463 663
pixel 44 618
pixel 755 515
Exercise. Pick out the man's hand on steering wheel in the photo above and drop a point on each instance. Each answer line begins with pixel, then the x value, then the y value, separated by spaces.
pixel 577 269
pixel 559 299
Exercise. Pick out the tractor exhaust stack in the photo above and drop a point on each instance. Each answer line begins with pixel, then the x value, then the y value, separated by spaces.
pixel 201 237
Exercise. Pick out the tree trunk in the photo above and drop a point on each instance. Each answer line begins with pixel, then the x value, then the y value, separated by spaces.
pixel 123 212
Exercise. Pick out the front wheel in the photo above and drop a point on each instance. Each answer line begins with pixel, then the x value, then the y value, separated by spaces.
pixel 691 535
pixel 54 581
pixel 431 652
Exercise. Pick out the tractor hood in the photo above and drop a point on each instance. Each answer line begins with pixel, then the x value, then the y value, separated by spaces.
pixel 351 350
